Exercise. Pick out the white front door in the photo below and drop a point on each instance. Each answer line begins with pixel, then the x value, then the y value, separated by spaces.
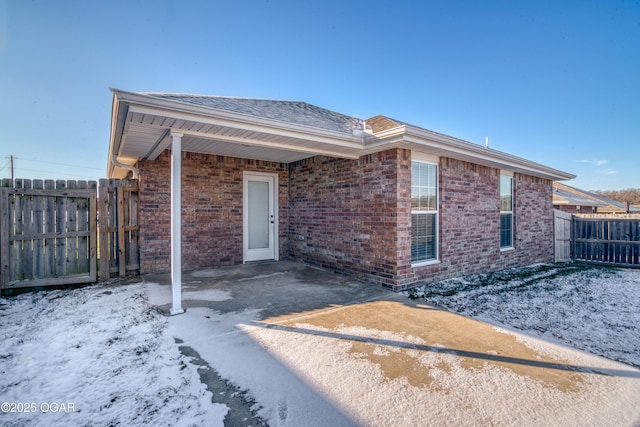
pixel 260 211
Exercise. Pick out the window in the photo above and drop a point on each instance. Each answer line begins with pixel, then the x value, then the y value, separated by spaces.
pixel 506 211
pixel 424 212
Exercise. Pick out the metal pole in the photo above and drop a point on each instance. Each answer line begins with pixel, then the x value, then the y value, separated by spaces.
pixel 11 157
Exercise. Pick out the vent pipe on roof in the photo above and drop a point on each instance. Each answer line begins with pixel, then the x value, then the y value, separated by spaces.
pixel 132 169
pixel 486 142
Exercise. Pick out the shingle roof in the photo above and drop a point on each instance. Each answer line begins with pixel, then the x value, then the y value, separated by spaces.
pixel 614 205
pixel 562 196
pixel 297 112
pixel 574 196
pixel 381 123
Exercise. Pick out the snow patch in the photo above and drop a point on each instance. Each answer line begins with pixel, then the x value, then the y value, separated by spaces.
pixel 594 309
pixel 105 350
pixel 160 295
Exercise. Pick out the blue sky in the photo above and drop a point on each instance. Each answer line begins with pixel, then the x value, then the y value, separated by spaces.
pixel 556 82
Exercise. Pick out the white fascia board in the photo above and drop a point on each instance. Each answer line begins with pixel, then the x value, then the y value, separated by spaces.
pixel 466 150
pixel 115 137
pixel 509 161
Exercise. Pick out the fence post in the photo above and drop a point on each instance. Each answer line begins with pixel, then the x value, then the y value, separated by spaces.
pixel 103 228
pixel 122 261
pixel 93 232
pixel 573 238
pixel 4 233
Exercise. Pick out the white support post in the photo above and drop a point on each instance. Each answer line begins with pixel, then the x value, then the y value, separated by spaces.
pixel 176 221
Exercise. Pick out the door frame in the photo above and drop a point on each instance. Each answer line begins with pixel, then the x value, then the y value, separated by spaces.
pixel 272 179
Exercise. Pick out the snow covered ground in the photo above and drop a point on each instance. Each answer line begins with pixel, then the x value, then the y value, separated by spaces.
pixel 103 355
pixel 591 308
pixel 95 356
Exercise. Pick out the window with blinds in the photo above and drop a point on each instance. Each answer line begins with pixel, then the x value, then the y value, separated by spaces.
pixel 424 212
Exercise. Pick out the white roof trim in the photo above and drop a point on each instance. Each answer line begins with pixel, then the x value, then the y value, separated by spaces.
pixel 327 142
pixel 457 148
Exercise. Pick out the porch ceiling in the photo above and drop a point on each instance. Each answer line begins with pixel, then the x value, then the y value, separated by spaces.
pixel 143 139
pixel 142 128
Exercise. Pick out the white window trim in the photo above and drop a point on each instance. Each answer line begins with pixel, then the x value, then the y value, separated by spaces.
pixel 425 263
pixel 508 174
pixel 435 161
pixel 425 158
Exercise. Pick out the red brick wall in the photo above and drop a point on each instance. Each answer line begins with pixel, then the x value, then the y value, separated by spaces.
pixel 211 210
pixel 344 213
pixel 533 221
pixel 470 224
pixel 351 216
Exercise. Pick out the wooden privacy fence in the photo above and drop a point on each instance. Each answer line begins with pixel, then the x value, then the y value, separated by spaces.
pixel 54 232
pixel 609 241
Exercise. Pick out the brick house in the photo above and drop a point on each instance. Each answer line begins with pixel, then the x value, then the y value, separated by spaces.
pixel 575 201
pixel 378 199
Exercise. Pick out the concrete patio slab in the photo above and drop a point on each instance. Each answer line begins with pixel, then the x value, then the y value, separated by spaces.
pixel 275 288
pixel 363 355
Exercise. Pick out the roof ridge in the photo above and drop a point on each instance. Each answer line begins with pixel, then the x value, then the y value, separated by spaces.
pixel 200 95
pixel 241 98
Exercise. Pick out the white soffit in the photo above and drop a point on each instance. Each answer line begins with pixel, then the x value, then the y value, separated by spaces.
pixel 146 135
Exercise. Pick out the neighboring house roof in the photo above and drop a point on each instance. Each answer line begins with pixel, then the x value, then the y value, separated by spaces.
pixel 566 195
pixel 273 130
pixel 563 196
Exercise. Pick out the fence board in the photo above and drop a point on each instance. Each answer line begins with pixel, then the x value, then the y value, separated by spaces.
pixel 4 234
pixel 71 257
pixel 93 235
pixel 122 263
pixel 113 228
pixel 49 228
pixel 133 260
pixel 103 229
pixel 61 244
pixel 38 227
pixel 83 241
